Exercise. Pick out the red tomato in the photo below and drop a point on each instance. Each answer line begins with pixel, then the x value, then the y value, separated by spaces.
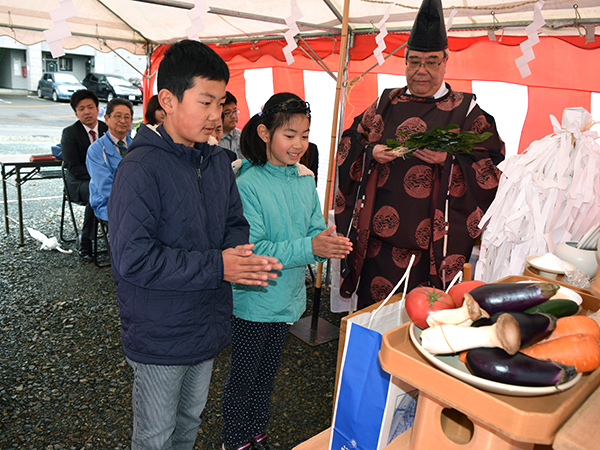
pixel 457 292
pixel 423 300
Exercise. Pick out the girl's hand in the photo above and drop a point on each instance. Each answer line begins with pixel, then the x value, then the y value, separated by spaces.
pixel 242 266
pixel 327 246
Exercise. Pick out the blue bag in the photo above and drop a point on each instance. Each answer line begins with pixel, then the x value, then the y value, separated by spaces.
pixel 372 407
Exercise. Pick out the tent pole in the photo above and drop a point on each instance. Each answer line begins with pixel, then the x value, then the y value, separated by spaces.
pixel 313 55
pixel 317 333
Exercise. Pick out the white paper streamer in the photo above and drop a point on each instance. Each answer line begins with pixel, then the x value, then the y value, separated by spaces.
pixel 532 39
pixel 381 36
pixel 293 31
pixel 47 243
pixel 60 31
pixel 195 14
pixel 546 196
pixel 451 18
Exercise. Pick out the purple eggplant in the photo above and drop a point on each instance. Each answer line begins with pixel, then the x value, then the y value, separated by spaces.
pixel 534 327
pixel 521 370
pixel 505 297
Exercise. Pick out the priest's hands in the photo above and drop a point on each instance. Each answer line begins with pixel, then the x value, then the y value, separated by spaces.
pixel 382 154
pixel 430 156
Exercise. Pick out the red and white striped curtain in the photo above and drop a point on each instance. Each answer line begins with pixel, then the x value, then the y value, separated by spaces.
pixel 564 72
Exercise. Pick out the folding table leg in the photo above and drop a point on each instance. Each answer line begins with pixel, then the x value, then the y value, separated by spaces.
pixel 20 205
pixel 4 196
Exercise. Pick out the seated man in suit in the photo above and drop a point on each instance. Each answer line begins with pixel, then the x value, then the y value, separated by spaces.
pixel 74 143
pixel 106 153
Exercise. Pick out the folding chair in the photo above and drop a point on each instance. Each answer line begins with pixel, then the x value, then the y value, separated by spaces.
pixel 67 201
pixel 103 225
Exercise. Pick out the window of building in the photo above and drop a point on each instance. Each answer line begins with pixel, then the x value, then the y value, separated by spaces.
pixel 65 64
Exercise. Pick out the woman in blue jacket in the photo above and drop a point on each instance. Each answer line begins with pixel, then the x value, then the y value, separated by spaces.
pixel 282 207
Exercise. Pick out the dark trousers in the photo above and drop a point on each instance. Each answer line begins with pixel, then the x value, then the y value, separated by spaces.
pixel 256 349
pixel 79 192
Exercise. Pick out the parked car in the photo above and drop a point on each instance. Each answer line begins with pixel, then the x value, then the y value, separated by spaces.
pixel 108 87
pixel 137 82
pixel 58 85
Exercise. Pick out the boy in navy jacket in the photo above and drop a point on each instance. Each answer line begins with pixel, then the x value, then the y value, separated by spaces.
pixel 178 239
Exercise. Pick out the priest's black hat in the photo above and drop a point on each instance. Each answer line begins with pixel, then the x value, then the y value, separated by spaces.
pixel 429 31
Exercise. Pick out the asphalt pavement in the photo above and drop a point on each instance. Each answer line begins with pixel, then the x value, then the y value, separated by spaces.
pixel 30 125
pixel 25 114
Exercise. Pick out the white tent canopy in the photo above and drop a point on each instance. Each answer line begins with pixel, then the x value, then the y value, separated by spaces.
pixel 129 24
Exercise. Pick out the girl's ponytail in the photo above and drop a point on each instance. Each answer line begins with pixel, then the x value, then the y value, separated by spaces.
pixel 253 147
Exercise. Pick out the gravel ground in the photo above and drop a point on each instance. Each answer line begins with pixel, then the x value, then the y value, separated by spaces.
pixel 64 383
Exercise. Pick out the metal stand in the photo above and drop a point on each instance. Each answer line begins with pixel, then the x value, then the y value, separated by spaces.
pixel 314 330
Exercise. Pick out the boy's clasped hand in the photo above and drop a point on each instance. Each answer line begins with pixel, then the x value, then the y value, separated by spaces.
pixel 242 266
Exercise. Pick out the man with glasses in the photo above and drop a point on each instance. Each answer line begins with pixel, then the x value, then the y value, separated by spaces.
pixel 429 203
pixel 231 134
pixel 106 153
pixel 74 144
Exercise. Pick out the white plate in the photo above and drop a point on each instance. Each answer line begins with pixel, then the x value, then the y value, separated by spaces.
pixel 563 292
pixel 531 261
pixel 452 365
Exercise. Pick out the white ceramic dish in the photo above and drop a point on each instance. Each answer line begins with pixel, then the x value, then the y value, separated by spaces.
pixel 563 292
pixel 583 259
pixel 548 272
pixel 452 365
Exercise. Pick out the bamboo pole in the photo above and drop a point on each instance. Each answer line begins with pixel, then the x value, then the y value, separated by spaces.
pixel 332 148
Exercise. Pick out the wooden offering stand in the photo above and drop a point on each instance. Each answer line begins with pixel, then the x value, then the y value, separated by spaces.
pixel 453 415
pixel 595 287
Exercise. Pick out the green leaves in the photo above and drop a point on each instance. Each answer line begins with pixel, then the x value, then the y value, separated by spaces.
pixel 449 140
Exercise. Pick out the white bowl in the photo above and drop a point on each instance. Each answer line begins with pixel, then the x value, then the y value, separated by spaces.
pixel 584 260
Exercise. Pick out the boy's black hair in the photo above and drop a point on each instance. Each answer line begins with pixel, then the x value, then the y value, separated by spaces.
pixel 151 107
pixel 230 98
pixel 276 113
pixel 110 106
pixel 82 94
pixel 184 61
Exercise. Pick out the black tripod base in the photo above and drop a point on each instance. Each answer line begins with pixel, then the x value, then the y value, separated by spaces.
pixel 323 333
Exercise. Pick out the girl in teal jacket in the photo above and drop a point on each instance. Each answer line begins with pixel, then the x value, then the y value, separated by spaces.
pixel 282 207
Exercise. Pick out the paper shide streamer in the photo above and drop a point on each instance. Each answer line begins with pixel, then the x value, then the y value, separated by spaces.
pixel 61 30
pixel 291 32
pixel 195 14
pixel 547 195
pixel 381 36
pixel 532 39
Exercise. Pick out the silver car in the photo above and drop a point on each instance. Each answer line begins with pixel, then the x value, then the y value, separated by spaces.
pixel 58 86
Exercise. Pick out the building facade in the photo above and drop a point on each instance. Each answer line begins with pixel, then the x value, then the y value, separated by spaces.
pixel 21 66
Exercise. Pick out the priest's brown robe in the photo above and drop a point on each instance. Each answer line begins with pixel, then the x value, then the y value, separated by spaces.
pixel 408 206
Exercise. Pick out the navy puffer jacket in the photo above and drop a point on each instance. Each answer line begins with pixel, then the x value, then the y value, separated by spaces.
pixel 171 212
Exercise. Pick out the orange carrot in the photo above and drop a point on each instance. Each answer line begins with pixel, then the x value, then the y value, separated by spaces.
pixel 463 356
pixel 579 350
pixel 566 326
